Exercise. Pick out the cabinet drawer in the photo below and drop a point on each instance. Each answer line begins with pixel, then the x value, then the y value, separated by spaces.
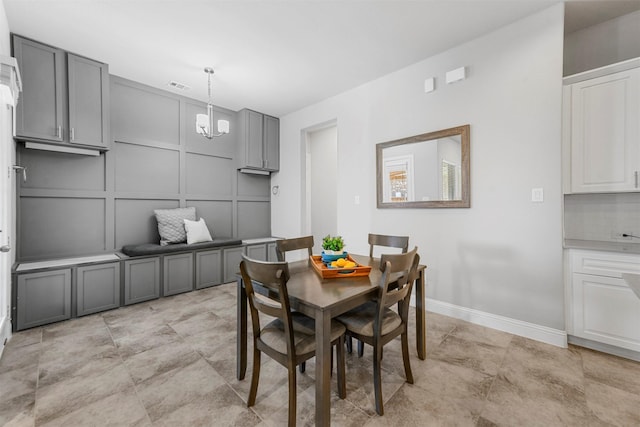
pixel 604 264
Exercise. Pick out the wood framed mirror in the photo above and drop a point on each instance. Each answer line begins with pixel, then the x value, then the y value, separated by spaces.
pixel 430 170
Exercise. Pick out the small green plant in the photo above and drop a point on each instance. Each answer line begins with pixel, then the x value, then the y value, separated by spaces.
pixel 332 243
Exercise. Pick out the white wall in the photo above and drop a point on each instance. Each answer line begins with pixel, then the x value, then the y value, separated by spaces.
pixel 602 44
pixel 323 149
pixel 5 44
pixel 504 254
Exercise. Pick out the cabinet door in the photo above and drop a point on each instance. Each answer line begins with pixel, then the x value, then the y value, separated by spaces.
pixel 88 103
pixel 231 259
pixel 43 298
pixel 251 149
pixel 258 252
pixel 41 105
pixel 141 280
pixel 606 310
pixel 98 288
pixel 208 268
pixel 271 143
pixel 605 133
pixel 177 273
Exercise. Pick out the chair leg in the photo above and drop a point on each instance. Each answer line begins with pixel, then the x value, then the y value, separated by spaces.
pixel 255 377
pixel 349 344
pixel 303 367
pixel 342 386
pixel 292 396
pixel 360 348
pixel 377 379
pixel 405 358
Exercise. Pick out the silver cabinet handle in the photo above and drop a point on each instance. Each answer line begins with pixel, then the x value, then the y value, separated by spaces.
pixel 5 248
pixel 23 169
pixel 59 132
pixel 72 134
pixel 636 178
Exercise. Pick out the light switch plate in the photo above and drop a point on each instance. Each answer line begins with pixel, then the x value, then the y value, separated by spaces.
pixel 537 195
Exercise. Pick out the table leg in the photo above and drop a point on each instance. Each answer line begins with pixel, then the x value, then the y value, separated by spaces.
pixel 323 368
pixel 421 329
pixel 241 338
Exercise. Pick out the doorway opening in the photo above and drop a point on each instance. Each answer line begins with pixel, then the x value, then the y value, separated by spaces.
pixel 320 186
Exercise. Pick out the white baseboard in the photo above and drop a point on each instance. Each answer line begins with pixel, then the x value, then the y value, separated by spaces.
pixel 5 332
pixel 513 326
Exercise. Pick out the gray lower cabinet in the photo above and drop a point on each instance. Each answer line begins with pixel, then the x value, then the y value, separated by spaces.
pixel 141 280
pixel 258 252
pixel 208 268
pixel 231 259
pixel 97 288
pixel 177 273
pixel 43 297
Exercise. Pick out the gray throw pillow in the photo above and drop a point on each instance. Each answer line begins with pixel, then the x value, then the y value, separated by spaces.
pixel 171 224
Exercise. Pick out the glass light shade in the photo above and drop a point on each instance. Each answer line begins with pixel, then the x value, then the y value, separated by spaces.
pixel 223 126
pixel 202 124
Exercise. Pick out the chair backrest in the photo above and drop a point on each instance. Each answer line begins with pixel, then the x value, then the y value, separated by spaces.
pixel 401 242
pixel 273 276
pixel 286 245
pixel 401 270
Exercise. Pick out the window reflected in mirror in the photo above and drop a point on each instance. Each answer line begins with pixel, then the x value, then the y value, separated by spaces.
pixel 423 171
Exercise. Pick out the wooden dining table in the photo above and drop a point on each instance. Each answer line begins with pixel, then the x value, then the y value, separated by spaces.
pixel 324 299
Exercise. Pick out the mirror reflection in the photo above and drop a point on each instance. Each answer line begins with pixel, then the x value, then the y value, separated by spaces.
pixel 423 171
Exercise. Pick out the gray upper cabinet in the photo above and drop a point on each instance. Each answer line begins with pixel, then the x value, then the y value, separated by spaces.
pixel 259 141
pixel 65 96
pixel 41 103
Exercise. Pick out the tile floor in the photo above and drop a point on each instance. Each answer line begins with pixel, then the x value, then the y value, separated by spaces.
pixel 171 362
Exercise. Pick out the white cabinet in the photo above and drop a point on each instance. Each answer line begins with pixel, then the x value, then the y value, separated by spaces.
pixel 603 126
pixel 603 307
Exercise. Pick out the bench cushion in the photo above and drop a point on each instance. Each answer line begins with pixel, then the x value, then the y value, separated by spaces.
pixel 156 249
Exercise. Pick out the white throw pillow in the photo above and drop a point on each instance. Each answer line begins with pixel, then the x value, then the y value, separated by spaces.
pixel 197 231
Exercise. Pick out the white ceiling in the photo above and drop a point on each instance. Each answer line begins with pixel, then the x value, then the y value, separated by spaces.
pixel 274 56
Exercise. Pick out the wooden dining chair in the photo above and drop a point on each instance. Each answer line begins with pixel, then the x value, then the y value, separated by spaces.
pixel 376 324
pixel 400 242
pixel 294 244
pixel 287 245
pixel 290 338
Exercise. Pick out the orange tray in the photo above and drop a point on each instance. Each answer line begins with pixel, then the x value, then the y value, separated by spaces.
pixel 337 272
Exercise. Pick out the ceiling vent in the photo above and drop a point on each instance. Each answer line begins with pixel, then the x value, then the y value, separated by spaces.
pixel 178 85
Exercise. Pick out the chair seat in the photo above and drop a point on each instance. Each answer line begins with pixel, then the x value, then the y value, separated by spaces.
pixel 360 319
pixel 304 331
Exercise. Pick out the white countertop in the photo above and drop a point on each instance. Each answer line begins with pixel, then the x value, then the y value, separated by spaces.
pixel 622 247
pixel 26 266
pixel 260 240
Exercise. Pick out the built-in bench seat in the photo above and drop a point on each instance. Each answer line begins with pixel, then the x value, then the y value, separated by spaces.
pixel 144 249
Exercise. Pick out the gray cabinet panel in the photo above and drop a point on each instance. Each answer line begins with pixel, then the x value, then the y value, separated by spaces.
pixel 254 219
pixel 272 256
pixel 271 143
pixel 141 280
pixel 208 268
pixel 177 273
pixel 142 114
pixel 88 101
pixel 231 259
pixel 97 288
pixel 43 297
pixel 140 168
pixel 62 171
pixel 208 175
pixel 52 227
pixel 41 104
pixel 258 252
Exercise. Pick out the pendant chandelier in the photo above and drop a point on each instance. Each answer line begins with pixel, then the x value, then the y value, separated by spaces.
pixel 204 122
